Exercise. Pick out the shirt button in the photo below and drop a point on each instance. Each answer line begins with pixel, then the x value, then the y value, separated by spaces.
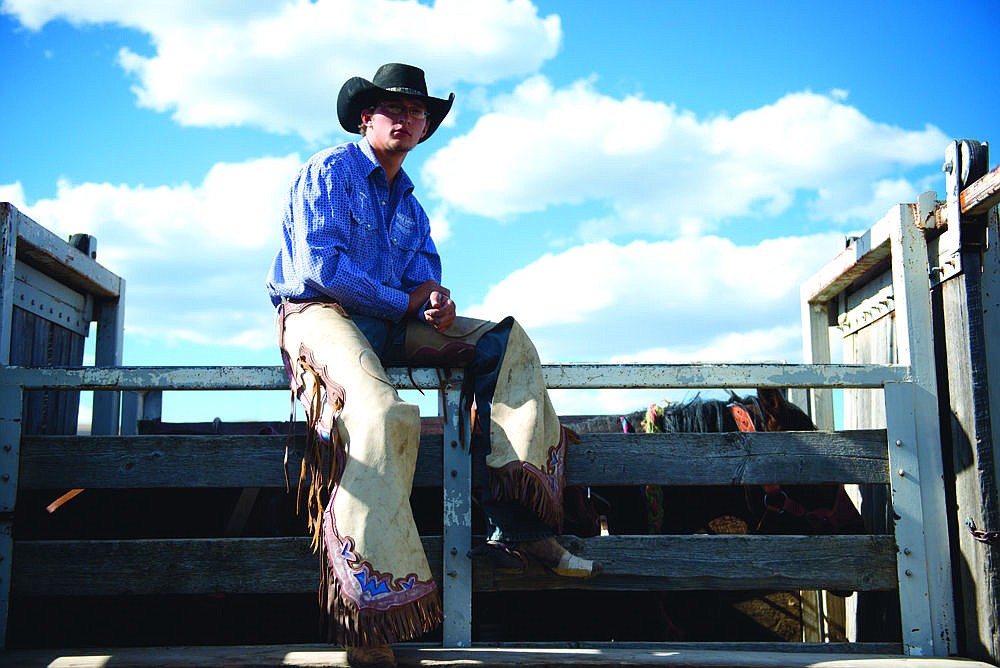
pixel 383 202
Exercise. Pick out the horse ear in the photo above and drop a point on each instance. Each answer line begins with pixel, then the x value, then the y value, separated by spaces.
pixel 784 415
pixel 772 399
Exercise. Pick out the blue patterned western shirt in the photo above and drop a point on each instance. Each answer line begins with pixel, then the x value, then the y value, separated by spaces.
pixel 349 236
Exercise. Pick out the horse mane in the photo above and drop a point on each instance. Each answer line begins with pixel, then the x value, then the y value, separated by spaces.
pixel 700 415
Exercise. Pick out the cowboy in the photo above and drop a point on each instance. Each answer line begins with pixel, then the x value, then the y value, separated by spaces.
pixel 357 286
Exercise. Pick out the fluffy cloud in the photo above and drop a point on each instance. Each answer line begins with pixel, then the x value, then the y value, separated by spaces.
pixel 771 344
pixel 278 65
pixel 12 192
pixel 690 300
pixel 665 301
pixel 194 257
pixel 664 171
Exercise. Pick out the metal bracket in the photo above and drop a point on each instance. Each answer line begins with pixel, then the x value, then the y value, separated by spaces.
pixel 965 161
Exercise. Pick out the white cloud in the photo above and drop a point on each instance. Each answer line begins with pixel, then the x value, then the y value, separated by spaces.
pixel 666 301
pixel 13 193
pixel 661 170
pixel 234 206
pixel 440 225
pixel 695 300
pixel 845 202
pixel 781 343
pixel 770 344
pixel 279 66
pixel 194 257
pixel 34 14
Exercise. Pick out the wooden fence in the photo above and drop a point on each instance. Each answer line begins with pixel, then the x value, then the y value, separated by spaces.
pixel 234 565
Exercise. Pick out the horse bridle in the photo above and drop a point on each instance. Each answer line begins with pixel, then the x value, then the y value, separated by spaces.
pixel 776 500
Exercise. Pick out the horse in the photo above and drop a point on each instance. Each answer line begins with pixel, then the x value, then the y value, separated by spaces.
pixel 746 509
pixel 764 509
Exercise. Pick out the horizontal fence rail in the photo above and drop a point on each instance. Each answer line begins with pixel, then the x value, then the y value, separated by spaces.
pixel 557 376
pixel 287 565
pixel 733 458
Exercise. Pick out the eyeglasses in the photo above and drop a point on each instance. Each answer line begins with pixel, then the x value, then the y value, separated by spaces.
pixel 397 109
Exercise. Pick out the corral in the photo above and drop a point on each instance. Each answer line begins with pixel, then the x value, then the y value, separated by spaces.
pixel 173 555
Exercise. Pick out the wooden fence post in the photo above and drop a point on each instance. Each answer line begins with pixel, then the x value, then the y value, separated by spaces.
pixel 108 352
pixel 10 448
pixel 915 348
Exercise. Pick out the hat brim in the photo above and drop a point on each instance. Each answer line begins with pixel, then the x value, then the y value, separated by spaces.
pixel 358 93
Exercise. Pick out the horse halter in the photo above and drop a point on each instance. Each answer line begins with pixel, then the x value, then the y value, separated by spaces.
pixel 776 500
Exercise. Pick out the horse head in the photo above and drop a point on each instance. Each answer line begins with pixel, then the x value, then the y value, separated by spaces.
pixel 782 415
pixel 770 411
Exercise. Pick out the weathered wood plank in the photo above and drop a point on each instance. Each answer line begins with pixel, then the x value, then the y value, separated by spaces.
pixel 968 437
pixel 47 298
pixel 38 342
pixel 982 195
pixel 707 376
pixel 861 255
pixel 686 655
pixel 557 376
pixel 126 462
pixel 43 249
pixel 159 378
pixel 287 565
pixel 723 562
pixel 733 458
pixel 171 566
pixel 52 462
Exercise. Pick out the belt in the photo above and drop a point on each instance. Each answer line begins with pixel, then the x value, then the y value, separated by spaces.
pixel 305 300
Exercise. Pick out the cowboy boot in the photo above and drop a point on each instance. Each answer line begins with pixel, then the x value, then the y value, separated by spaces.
pixel 560 561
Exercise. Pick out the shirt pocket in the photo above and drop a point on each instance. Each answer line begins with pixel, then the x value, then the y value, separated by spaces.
pixel 407 233
pixel 406 240
pixel 363 230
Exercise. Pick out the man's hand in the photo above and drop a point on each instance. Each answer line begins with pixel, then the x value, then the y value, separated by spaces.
pixel 441 313
pixel 421 294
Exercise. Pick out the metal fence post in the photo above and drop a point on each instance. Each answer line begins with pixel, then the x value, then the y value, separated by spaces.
pixel 457 503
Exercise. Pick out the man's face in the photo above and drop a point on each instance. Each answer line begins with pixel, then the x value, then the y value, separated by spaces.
pixel 396 124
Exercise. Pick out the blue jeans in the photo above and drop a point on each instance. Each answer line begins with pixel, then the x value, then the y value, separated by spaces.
pixel 509 521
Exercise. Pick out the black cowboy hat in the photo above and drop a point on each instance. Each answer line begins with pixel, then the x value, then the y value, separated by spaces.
pixel 391 79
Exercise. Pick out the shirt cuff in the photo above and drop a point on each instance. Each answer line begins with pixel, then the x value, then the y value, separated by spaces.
pixel 394 302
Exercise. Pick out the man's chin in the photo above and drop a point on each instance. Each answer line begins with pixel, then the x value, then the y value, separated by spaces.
pixel 401 148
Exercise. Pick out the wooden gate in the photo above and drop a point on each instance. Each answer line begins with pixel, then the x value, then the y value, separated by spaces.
pixel 922 288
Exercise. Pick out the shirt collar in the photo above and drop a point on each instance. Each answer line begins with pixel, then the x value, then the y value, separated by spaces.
pixel 402 178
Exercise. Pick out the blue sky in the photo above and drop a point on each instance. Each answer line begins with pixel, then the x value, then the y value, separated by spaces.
pixel 635 181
